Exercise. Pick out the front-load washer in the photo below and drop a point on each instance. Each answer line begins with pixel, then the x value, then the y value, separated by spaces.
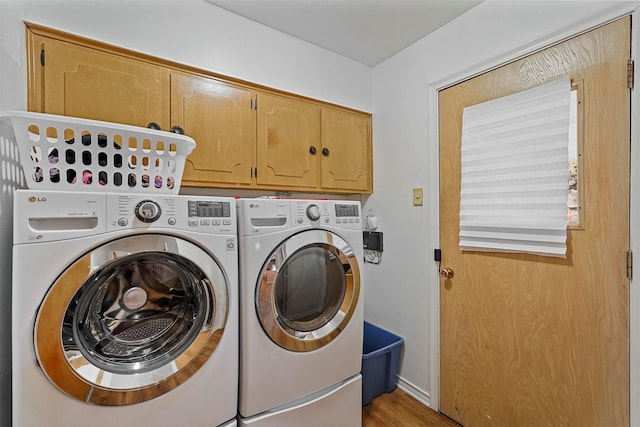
pixel 125 309
pixel 301 311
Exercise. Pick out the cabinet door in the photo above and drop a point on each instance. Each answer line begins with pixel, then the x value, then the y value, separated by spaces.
pixel 346 151
pixel 288 135
pixel 220 118
pixel 82 82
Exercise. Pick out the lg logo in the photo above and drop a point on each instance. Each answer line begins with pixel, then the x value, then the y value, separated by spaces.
pixel 34 199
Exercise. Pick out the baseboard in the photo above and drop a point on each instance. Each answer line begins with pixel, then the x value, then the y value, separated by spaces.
pixel 414 391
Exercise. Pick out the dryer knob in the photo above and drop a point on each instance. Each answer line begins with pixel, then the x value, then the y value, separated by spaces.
pixel 313 212
pixel 148 211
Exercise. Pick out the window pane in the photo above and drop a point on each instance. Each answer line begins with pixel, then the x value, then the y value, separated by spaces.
pixel 573 200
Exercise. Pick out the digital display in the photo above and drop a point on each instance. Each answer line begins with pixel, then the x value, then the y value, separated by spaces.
pixel 209 209
pixel 347 210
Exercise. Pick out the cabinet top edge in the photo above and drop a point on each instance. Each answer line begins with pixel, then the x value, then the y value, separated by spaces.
pixel 63 36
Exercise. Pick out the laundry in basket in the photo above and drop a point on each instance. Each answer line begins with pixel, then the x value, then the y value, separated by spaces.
pixel 70 153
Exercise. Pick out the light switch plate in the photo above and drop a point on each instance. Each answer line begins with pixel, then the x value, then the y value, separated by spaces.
pixel 417 196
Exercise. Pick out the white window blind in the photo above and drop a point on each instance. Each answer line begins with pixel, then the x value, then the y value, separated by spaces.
pixel 515 172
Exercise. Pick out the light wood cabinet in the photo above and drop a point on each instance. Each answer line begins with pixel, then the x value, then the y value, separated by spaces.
pixel 83 82
pixel 247 136
pixel 221 119
pixel 288 141
pixel 307 146
pixel 346 151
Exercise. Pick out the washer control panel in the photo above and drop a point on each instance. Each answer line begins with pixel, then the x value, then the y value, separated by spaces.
pixel 209 212
pixel 197 213
pixel 43 216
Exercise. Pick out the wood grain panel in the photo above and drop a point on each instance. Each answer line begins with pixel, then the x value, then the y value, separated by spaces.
pixel 219 117
pixel 287 129
pixel 347 163
pixel 81 82
pixel 536 341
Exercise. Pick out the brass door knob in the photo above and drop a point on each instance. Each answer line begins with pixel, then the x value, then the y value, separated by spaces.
pixel 447 273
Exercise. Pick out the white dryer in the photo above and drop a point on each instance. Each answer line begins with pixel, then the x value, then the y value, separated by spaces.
pixel 125 310
pixel 301 312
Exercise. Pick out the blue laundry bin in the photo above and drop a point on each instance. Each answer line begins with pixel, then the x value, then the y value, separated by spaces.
pixel 380 360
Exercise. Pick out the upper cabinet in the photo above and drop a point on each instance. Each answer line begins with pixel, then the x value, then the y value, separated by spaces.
pixel 221 118
pixel 288 139
pixel 247 136
pixel 307 146
pixel 346 151
pixel 72 80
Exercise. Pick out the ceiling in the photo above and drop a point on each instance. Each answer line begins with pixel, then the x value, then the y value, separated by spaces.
pixel 368 31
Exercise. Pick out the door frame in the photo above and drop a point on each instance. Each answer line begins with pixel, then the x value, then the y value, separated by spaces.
pixel 535 45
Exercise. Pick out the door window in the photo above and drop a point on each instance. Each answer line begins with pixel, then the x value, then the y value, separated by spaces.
pixel 136 318
pixel 308 290
pixel 138 314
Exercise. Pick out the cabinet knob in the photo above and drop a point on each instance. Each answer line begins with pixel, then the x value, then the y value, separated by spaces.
pixel 177 129
pixel 312 150
pixel 154 125
pixel 325 151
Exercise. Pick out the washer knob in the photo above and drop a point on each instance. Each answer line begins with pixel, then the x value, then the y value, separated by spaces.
pixel 313 212
pixel 147 211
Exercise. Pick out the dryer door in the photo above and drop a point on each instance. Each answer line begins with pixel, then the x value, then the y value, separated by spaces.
pixel 131 319
pixel 308 290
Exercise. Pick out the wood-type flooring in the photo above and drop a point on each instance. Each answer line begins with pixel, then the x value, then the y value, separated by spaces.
pixel 398 409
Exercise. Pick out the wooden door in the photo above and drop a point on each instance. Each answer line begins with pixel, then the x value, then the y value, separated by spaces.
pixel 220 118
pixel 346 151
pixel 81 82
pixel 537 341
pixel 288 142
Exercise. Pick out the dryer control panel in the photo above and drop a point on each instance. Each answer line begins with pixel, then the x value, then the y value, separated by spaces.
pixel 343 214
pixel 260 216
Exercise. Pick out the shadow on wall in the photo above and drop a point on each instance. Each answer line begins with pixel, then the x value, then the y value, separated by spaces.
pixel 12 178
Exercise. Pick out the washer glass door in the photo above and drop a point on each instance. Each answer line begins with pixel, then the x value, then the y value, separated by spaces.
pixel 122 323
pixel 308 290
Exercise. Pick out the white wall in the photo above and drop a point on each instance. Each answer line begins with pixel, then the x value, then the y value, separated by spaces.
pixel 12 97
pixel 402 291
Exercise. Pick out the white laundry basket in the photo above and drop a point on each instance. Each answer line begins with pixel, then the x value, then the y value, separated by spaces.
pixel 70 153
